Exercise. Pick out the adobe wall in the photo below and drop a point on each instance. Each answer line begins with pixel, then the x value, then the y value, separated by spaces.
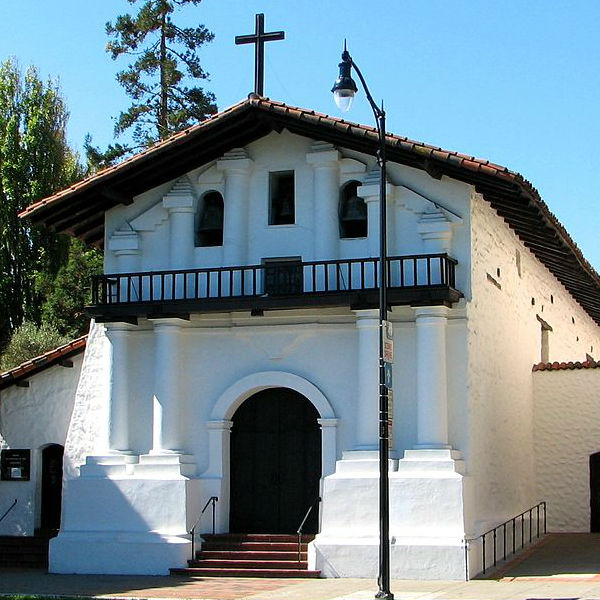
pixel 566 432
pixel 33 418
pixel 510 290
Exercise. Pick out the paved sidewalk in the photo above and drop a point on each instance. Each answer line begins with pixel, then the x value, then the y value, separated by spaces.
pixel 563 567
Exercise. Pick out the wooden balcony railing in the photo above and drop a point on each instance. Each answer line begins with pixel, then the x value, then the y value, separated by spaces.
pixel 278 284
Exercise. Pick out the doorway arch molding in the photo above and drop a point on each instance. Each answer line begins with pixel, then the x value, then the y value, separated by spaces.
pixel 216 475
pixel 242 389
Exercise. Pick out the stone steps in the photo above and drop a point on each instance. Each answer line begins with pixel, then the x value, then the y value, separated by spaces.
pixel 250 555
pixel 24 552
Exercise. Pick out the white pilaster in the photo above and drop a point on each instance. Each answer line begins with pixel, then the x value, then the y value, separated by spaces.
pixel 369 192
pixel 324 161
pixel 367 405
pixel 181 206
pixel 432 395
pixel 118 426
pixel 436 232
pixel 328 444
pixel 218 448
pixel 167 401
pixel 236 165
pixel 126 246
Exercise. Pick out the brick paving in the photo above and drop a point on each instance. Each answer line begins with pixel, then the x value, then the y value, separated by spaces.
pixel 563 567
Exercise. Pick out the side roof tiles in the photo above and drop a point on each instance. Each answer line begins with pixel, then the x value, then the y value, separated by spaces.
pixel 566 366
pixel 42 362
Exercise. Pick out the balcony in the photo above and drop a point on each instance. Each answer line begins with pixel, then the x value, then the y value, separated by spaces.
pixel 274 285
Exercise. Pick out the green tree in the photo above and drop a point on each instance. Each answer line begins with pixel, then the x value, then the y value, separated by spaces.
pixel 35 162
pixel 70 291
pixel 166 57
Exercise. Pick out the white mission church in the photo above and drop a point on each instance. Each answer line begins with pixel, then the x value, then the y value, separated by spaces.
pixel 233 354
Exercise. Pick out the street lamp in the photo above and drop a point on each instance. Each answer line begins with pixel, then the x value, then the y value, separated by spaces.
pixel 344 90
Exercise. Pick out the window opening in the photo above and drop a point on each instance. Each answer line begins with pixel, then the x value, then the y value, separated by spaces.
pixel 210 224
pixel 282 209
pixel 546 328
pixel 352 212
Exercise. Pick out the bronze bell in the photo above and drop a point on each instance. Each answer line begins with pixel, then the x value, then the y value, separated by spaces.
pixel 287 209
pixel 212 217
pixel 355 209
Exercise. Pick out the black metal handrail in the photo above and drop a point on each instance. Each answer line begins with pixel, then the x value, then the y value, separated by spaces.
pixel 301 526
pixel 9 509
pixel 273 279
pixel 513 526
pixel 212 500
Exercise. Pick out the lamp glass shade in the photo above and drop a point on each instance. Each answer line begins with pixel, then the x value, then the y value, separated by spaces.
pixel 343 99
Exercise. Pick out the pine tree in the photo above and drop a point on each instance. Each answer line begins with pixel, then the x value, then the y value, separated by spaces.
pixel 70 291
pixel 166 58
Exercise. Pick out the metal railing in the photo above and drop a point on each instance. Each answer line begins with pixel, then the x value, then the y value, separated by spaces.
pixel 8 510
pixel 211 501
pixel 301 526
pixel 273 279
pixel 515 539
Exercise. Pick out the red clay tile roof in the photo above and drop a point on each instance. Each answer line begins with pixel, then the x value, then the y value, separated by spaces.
pixel 567 366
pixel 79 210
pixel 269 106
pixel 42 362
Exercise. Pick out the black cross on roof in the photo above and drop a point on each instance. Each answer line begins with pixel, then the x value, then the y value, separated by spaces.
pixel 258 38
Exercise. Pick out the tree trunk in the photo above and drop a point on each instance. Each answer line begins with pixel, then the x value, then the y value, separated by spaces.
pixel 163 128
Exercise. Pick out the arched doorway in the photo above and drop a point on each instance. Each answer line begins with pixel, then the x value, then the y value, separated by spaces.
pixel 595 493
pixel 275 463
pixel 52 471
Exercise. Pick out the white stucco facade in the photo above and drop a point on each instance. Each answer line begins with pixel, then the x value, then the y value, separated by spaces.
pixel 149 438
pixel 34 418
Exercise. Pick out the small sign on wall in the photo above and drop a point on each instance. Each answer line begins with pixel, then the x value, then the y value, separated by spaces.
pixel 15 465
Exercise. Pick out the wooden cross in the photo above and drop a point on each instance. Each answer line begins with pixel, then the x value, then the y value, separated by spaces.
pixel 258 38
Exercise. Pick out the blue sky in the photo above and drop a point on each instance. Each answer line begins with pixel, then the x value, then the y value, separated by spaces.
pixel 512 81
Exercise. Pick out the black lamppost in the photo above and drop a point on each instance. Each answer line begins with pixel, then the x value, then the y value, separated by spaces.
pixel 344 90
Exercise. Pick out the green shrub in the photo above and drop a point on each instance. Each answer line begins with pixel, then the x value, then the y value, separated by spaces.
pixel 29 341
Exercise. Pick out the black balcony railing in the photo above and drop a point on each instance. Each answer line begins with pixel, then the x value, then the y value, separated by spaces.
pixel 245 285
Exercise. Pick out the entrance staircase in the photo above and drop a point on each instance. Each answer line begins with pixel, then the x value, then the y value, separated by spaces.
pixel 26 552
pixel 250 555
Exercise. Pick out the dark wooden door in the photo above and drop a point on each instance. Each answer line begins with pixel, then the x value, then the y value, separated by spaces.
pixel 52 471
pixel 275 463
pixel 595 493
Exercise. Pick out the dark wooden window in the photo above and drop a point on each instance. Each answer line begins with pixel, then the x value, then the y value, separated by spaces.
pixel 210 223
pixel 283 276
pixel 282 210
pixel 353 212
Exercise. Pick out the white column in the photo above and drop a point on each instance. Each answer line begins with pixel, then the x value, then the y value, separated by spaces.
pixel 326 194
pixel 237 167
pixel 432 393
pixel 167 401
pixel 118 426
pixel 367 413
pixel 181 210
pixel 328 444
